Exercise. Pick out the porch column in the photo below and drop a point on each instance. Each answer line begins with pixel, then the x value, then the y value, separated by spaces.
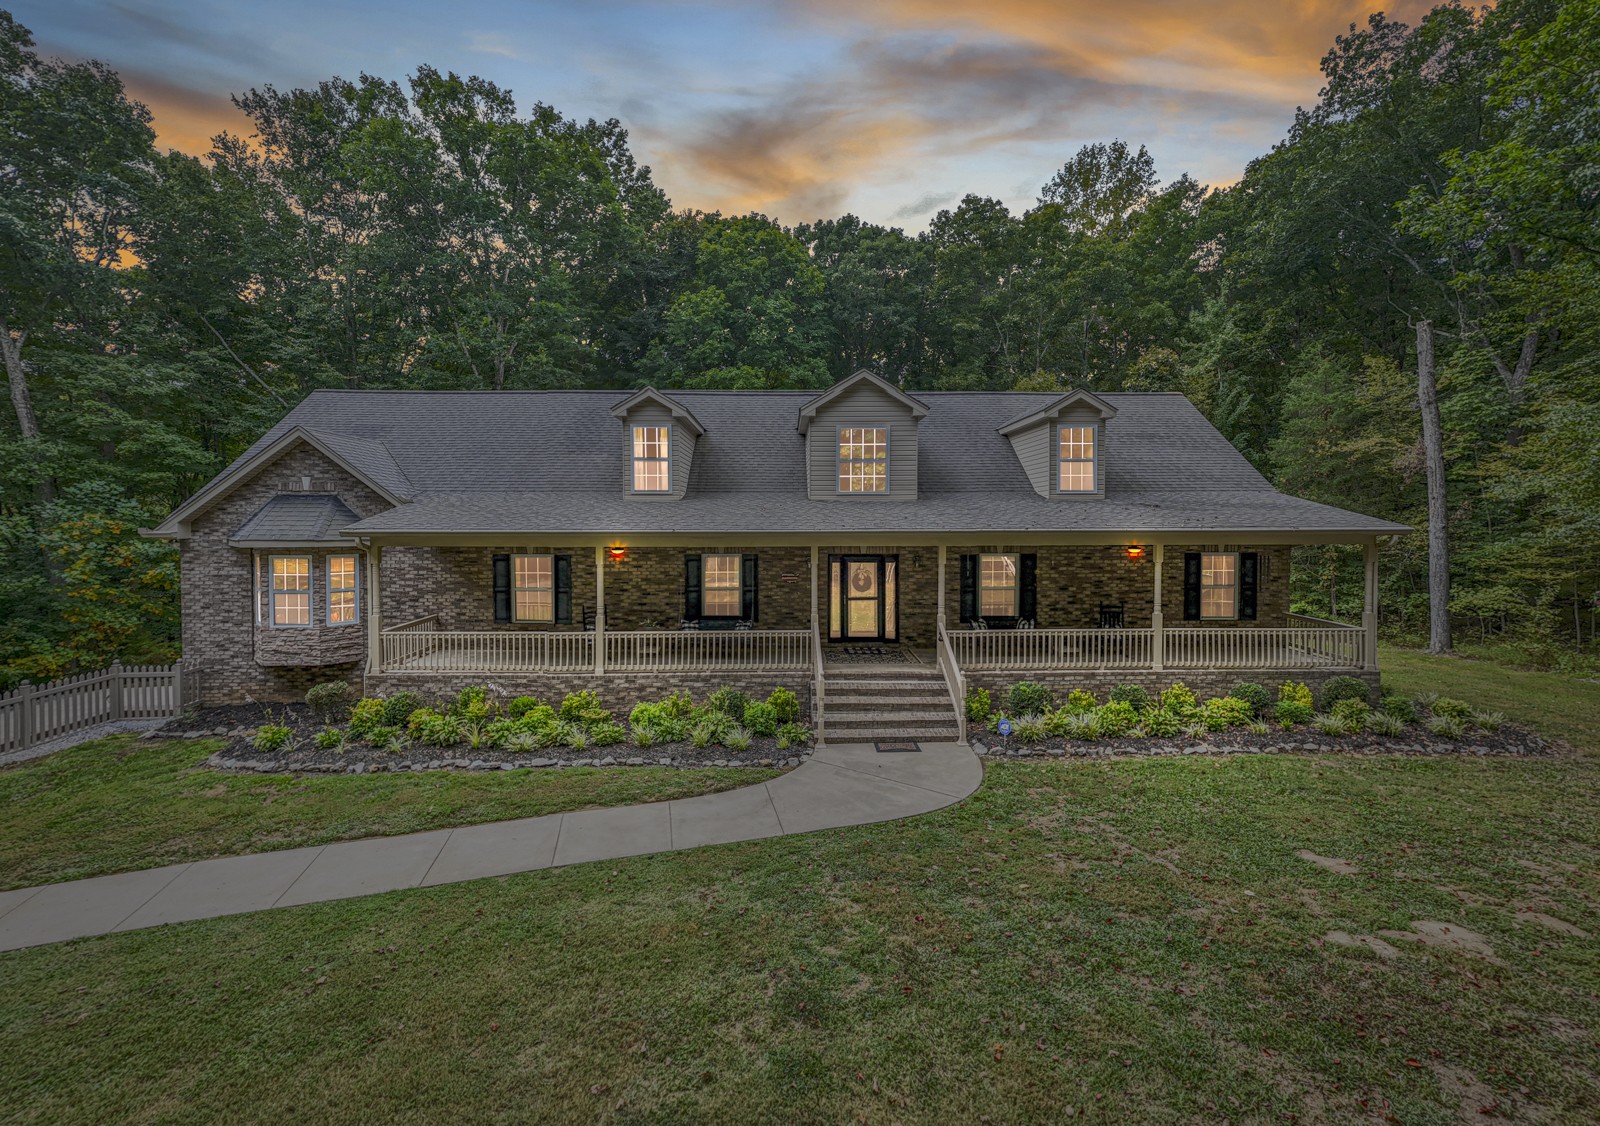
pixel 941 587
pixel 599 609
pixel 1157 657
pixel 1369 608
pixel 816 625
pixel 374 614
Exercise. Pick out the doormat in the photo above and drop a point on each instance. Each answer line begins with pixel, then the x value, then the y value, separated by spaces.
pixel 886 747
pixel 868 655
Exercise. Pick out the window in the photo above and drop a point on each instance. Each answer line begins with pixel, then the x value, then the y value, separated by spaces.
pixel 721 592
pixel 291 590
pixel 864 459
pixel 1219 585
pixel 651 469
pixel 533 588
pixel 997 586
pixel 1075 459
pixel 344 606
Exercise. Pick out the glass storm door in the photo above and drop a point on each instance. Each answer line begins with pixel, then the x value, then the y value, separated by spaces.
pixel 862 589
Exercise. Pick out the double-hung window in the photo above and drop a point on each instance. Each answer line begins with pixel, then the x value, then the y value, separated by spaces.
pixel 1219 585
pixel 863 459
pixel 344 604
pixel 721 587
pixel 533 588
pixel 997 586
pixel 289 596
pixel 1075 459
pixel 652 470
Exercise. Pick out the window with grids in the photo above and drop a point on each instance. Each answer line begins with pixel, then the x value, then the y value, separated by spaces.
pixel 343 601
pixel 533 588
pixel 997 586
pixel 1075 459
pixel 651 469
pixel 1219 585
pixel 721 589
pixel 864 459
pixel 291 590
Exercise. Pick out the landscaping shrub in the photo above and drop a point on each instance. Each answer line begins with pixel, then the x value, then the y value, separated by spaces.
pixel 1294 692
pixel 737 740
pixel 1225 712
pixel 1488 721
pixel 760 718
pixel 1382 723
pixel 1080 701
pixel 1028 698
pixel 1256 695
pixel 607 734
pixel 1447 726
pixel 1288 713
pixel 329 739
pixel 1399 707
pixel 523 742
pixel 472 704
pixel 713 727
pixel 1329 723
pixel 397 709
pixel 584 708
pixel 436 730
pixel 1073 725
pixel 1135 695
pixel 660 722
pixel 1342 688
pixel 1115 719
pixel 793 735
pixel 386 738
pixel 1180 700
pixel 978 706
pixel 368 714
pixel 1029 729
pixel 569 733
pixel 331 700
pixel 521 706
pixel 1450 706
pixel 1257 727
pixel 476 735
pixel 679 706
pixel 1352 709
pixel 1162 725
pixel 272 737
pixel 729 702
pixel 785 703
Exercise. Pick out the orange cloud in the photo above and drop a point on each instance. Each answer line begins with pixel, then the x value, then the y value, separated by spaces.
pixel 185 119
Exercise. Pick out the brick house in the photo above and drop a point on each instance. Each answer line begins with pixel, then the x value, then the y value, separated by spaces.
pixel 874 550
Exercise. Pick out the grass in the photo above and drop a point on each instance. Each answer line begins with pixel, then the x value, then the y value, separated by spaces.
pixel 1131 940
pixel 120 803
pixel 1553 704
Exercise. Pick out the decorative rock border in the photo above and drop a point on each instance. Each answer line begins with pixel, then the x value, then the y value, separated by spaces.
pixel 366 760
pixel 1508 741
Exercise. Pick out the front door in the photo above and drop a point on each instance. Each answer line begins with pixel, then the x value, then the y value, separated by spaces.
pixel 862 590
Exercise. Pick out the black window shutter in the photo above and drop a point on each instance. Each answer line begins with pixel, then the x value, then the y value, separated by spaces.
pixel 1249 579
pixel 691 587
pixel 1028 588
pixel 563 569
pixel 1191 586
pixel 502 588
pixel 969 588
pixel 750 591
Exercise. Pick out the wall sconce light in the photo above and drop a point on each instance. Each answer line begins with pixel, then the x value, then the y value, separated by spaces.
pixel 1135 552
pixel 616 553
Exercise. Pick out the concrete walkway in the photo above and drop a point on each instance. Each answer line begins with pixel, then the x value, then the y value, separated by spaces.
pixel 846 784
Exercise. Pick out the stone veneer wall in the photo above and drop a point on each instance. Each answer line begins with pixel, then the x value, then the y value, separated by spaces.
pixel 618 691
pixel 1204 682
pixel 218 592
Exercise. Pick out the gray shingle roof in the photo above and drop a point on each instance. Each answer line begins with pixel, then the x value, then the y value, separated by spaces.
pixel 555 461
pixel 295 519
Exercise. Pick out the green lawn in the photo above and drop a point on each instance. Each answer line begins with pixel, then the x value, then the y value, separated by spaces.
pixel 121 803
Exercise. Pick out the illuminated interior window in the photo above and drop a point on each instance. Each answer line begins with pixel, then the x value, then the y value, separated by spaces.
pixel 997 586
pixel 1219 585
pixel 864 459
pixel 291 590
pixel 1075 458
pixel 720 590
pixel 533 588
pixel 651 470
pixel 343 602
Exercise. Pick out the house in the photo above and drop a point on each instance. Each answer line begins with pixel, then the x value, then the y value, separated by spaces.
pixel 874 550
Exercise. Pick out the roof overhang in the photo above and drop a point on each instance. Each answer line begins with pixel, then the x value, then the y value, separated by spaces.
pixel 808 412
pixel 994 539
pixel 1054 409
pixel 680 413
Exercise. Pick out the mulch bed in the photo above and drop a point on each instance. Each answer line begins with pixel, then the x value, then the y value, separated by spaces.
pixel 237 724
pixel 1508 740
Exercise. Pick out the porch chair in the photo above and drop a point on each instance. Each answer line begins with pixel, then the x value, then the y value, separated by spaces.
pixel 588 618
pixel 1111 615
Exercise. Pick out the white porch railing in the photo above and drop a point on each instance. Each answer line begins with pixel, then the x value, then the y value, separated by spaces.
pixel 1052 648
pixel 669 650
pixel 431 650
pixel 954 680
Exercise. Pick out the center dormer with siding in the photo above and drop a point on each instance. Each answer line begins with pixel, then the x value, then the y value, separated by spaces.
pixel 861 441
pixel 1062 446
pixel 660 435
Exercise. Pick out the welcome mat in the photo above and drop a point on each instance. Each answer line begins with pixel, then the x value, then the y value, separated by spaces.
pixel 868 655
pixel 885 747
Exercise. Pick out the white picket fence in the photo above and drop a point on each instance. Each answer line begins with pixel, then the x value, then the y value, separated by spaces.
pixel 39 713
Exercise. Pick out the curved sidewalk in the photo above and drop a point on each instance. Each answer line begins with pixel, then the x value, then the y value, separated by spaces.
pixel 838 785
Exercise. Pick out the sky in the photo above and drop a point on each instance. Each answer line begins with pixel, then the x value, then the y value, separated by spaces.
pixel 801 109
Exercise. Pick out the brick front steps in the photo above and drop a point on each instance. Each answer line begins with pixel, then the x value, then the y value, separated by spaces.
pixel 864 704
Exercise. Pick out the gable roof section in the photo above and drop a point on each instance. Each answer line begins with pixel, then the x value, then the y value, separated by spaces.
pixel 808 411
pixel 367 460
pixel 1079 397
pixel 680 413
pixel 296 520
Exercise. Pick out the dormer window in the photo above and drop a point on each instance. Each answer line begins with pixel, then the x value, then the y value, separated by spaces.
pixel 651 466
pixel 864 459
pixel 1075 459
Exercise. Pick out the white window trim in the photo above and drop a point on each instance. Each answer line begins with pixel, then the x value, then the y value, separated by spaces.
pixel 1016 584
pixel 332 590
pixel 635 458
pixel 840 461
pixel 738 584
pixel 273 592
pixel 1231 617
pixel 515 589
pixel 1093 460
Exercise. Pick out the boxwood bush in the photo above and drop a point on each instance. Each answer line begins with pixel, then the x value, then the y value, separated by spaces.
pixel 1342 688
pixel 1256 695
pixel 1028 698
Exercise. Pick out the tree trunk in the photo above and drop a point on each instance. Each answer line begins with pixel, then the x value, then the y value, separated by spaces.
pixel 1433 459
pixel 22 402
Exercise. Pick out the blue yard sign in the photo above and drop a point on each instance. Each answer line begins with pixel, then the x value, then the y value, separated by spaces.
pixel 1005 727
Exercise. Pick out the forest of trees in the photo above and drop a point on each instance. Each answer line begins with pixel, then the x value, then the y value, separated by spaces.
pixel 159 311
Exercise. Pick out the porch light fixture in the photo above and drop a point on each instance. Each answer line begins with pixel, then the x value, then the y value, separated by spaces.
pixel 616 553
pixel 1135 552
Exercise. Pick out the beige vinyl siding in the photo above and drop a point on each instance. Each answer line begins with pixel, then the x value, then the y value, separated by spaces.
pixel 1036 450
pixel 864 405
pixel 680 450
